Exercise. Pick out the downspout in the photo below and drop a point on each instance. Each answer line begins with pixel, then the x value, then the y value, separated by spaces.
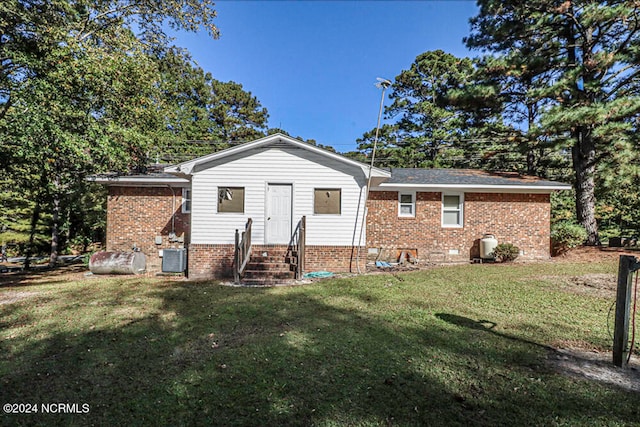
pixel 172 235
pixel 384 84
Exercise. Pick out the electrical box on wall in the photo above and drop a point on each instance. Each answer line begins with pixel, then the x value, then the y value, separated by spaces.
pixel 174 260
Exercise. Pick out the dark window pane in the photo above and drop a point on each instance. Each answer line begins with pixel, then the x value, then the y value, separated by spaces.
pixel 231 199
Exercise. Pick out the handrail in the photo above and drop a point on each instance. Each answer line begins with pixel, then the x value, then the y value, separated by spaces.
pixel 300 245
pixel 242 252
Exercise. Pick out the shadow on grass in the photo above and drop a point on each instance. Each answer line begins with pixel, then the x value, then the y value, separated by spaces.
pixel 39 274
pixel 486 326
pixel 229 356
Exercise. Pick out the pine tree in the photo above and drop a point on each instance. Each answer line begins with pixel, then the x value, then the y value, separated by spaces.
pixel 580 63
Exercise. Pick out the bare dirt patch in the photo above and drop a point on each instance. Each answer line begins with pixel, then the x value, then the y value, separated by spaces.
pixel 595 254
pixel 601 285
pixel 597 284
pixel 595 366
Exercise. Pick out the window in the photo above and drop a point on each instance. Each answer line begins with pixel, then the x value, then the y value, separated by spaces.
pixel 407 204
pixel 327 201
pixel 186 200
pixel 231 199
pixel 452 210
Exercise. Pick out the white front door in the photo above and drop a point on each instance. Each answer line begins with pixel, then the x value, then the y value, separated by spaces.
pixel 278 215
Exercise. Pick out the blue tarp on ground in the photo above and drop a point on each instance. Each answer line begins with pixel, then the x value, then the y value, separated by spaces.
pixel 383 264
pixel 317 274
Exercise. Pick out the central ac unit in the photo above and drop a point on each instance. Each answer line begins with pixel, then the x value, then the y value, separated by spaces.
pixel 174 260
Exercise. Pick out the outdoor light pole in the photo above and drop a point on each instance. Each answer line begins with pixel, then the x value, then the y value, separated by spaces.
pixel 384 84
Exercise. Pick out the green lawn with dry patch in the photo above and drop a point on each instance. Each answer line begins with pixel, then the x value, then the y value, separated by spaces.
pixel 460 345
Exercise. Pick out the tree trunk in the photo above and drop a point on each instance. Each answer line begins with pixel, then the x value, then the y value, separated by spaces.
pixel 584 165
pixel 531 155
pixel 55 223
pixel 35 217
pixel 531 162
pixel 584 148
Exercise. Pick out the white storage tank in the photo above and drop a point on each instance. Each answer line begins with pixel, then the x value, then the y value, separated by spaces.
pixel 117 263
pixel 487 244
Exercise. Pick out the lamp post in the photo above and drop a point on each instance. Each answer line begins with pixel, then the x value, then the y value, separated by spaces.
pixel 383 84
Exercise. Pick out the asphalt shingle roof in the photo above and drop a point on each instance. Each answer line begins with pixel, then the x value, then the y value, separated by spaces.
pixel 465 177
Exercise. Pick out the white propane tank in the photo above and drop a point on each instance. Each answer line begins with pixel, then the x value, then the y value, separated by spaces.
pixel 487 244
pixel 117 263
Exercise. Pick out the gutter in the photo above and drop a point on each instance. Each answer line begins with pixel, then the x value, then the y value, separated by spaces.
pixel 138 181
pixel 515 188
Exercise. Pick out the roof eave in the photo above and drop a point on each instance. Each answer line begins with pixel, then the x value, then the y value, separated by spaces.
pixel 150 181
pixel 478 187
pixel 186 168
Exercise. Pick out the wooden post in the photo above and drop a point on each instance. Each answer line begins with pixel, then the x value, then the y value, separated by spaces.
pixel 236 259
pixel 302 244
pixel 626 266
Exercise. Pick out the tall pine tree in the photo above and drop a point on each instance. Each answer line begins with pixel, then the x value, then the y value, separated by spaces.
pixel 581 62
pixel 426 125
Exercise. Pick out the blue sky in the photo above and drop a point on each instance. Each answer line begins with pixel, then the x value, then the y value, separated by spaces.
pixel 313 64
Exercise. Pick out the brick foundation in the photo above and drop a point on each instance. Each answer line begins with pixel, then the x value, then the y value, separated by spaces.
pixel 136 215
pixel 520 219
pixel 337 259
pixel 216 261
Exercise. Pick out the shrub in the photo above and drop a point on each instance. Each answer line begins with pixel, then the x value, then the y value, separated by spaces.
pixel 86 258
pixel 506 252
pixel 566 235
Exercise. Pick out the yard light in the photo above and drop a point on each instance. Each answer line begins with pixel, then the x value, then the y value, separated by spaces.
pixel 381 84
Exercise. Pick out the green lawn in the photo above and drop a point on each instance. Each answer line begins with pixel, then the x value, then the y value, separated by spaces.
pixel 463 345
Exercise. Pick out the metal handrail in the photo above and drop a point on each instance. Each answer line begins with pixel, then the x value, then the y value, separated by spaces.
pixel 242 252
pixel 300 245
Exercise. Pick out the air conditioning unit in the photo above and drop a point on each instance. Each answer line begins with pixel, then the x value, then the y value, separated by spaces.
pixel 174 260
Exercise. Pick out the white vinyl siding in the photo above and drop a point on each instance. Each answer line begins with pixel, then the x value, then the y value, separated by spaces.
pixel 254 171
pixel 452 210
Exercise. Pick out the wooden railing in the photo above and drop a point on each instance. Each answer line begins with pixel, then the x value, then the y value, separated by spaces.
pixel 299 243
pixel 242 251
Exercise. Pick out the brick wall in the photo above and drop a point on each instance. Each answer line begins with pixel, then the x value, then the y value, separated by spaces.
pixel 337 259
pixel 210 261
pixel 136 215
pixel 521 219
pixel 216 261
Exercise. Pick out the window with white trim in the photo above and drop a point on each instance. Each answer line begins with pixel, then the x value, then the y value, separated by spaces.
pixel 186 200
pixel 452 210
pixel 407 204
